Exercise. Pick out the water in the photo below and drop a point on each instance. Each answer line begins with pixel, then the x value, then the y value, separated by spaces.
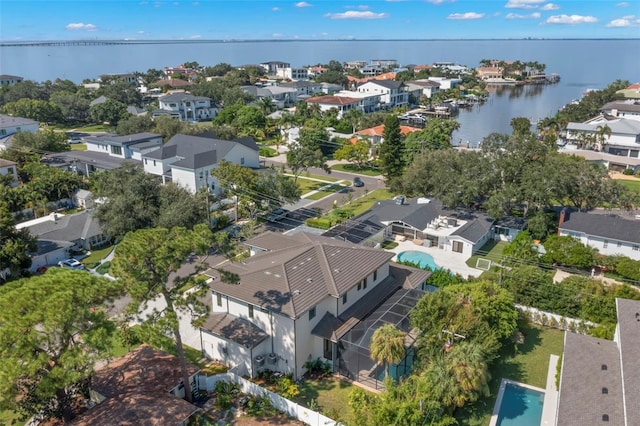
pixel 520 406
pixel 418 257
pixel 582 64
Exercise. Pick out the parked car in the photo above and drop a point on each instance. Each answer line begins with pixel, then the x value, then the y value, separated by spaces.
pixel 71 264
pixel 357 182
pixel 277 214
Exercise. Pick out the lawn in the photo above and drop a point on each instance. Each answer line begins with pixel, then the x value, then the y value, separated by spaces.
pixel 528 366
pixel 319 177
pixel 78 146
pixel 634 185
pixel 325 192
pixel 351 168
pixel 96 256
pixel 308 185
pixel 94 128
pixel 331 394
pixel 492 250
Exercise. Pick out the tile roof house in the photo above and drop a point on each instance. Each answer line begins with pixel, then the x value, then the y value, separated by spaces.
pixel 296 297
pixel 188 160
pixel 610 234
pixel 341 103
pixel 375 134
pixel 600 379
pixel 142 387
pixel 426 221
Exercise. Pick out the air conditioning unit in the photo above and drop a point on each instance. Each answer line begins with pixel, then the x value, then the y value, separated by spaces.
pixel 273 358
pixel 259 360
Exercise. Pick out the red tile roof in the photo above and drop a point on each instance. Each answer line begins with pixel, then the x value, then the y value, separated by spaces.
pixel 379 130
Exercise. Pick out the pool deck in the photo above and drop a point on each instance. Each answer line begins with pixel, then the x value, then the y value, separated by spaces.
pixel 445 259
pixel 550 394
pixel 503 384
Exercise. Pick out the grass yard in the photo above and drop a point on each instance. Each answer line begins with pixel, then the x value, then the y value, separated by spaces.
pixel 331 394
pixel 529 365
pixel 351 168
pixel 325 192
pixel 492 250
pixel 319 177
pixel 634 185
pixel 78 146
pixel 94 128
pixel 308 185
pixel 96 256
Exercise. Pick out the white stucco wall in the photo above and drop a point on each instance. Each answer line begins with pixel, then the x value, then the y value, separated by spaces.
pixel 157 167
pixel 239 152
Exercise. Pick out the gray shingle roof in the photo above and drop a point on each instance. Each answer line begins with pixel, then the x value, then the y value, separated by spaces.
pixel 68 228
pixel 475 229
pixel 182 97
pixel 236 329
pixel 291 280
pixel 113 139
pixel 9 121
pixel 629 343
pixel 581 400
pixel 604 226
pixel 388 84
pixel 47 246
pixel 622 106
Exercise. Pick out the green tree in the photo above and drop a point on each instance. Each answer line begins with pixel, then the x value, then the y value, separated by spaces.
pixel 387 346
pixel 110 111
pixel 53 333
pixel 357 153
pixel 34 109
pixel 354 117
pixel 135 124
pixel 391 149
pixel 40 142
pixel 436 135
pixel 146 259
pixel 15 248
pixel 132 199
pixel 521 248
pixel 179 207
pixel 521 126
pixel 566 250
pixel 73 106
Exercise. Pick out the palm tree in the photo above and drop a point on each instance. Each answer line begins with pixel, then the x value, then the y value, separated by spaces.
pixel 266 106
pixel 468 366
pixel 602 135
pixel 387 346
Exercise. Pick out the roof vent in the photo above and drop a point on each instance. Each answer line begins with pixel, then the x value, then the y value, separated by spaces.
pixel 605 391
pixel 605 417
pixel 336 270
pixel 267 272
pixel 296 292
pixel 603 367
pixel 309 280
pixel 277 275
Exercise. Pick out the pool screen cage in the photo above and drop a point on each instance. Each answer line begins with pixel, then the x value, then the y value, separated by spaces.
pixel 353 349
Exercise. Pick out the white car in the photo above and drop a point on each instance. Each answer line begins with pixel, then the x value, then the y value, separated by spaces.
pixel 71 264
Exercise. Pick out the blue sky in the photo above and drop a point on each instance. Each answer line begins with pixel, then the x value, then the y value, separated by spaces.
pixel 317 19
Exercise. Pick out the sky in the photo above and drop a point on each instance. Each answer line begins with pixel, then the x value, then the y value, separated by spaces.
pixel 316 19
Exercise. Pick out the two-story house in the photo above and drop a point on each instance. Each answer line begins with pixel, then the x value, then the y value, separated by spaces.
pixel 609 234
pixel 622 109
pixel 126 147
pixel 418 88
pixel 624 140
pixel 293 73
pixel 188 160
pixel 186 107
pixel 272 67
pixel 9 168
pixel 392 93
pixel 300 298
pixel 341 103
pixel 304 88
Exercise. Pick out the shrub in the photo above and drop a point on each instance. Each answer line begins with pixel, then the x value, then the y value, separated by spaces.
pixel 223 401
pixel 287 387
pixel 628 172
pixel 104 268
pixel 318 223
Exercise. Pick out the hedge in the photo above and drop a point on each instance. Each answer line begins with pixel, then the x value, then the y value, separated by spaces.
pixel 318 223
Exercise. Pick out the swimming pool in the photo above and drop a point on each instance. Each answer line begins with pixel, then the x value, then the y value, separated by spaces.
pixel 418 257
pixel 519 406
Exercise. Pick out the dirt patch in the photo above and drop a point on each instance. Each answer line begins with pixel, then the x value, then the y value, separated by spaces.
pixel 621 176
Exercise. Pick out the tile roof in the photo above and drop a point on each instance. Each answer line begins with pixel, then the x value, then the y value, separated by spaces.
pixel 5 163
pixel 332 100
pixel 629 343
pixel 234 328
pixel 379 130
pixel 581 400
pixel 292 279
pixel 601 225
pixel 136 387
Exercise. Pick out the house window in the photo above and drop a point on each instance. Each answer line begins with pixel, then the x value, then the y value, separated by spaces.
pixel 250 311
pixel 154 163
pixel 619 243
pixel 359 285
pixel 605 244
pixel 375 275
pixel 117 150
pixel 327 351
pixel 605 417
pixel 242 160
pixel 635 248
pixel 344 298
pixel 457 246
pixel 312 313
pixel 218 299
pixel 145 161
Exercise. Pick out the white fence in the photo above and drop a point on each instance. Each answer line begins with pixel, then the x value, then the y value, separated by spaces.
pixel 282 404
pixel 552 320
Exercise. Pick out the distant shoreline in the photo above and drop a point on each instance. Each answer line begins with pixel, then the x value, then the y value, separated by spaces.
pixel 98 42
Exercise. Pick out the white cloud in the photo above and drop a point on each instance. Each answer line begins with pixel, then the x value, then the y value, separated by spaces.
pixel 363 7
pixel 302 4
pixel 523 4
pixel 81 26
pixel 276 35
pixel 625 21
pixel 465 16
pixel 141 32
pixel 275 9
pixel 571 19
pixel 534 15
pixel 195 36
pixel 550 6
pixel 622 4
pixel 354 14
pixel 436 2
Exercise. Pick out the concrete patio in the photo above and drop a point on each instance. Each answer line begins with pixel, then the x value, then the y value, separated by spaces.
pixel 454 262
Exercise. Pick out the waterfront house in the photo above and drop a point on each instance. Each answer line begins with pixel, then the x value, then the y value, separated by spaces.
pixel 143 387
pixel 375 135
pixel 181 73
pixel 369 102
pixel 392 93
pixel 341 103
pixel 186 107
pixel 446 83
pixel 600 379
pixel 272 67
pixel 290 73
pixel 609 234
pixel 300 298
pixel 629 110
pixel 630 92
pixel 188 160
pixel 419 88
pixel 9 80
pixel 489 73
